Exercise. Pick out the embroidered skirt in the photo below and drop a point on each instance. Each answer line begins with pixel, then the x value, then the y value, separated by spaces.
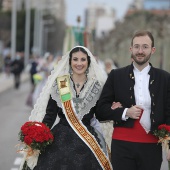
pixel 68 151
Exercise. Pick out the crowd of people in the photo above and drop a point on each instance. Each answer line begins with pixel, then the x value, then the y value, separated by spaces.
pixel 39 69
pixel 134 98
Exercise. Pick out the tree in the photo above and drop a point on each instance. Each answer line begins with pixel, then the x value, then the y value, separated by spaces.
pixel 55 37
pixel 117 44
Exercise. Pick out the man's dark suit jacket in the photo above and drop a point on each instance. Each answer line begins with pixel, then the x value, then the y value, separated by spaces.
pixel 119 87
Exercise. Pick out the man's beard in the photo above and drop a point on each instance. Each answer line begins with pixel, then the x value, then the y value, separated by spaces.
pixel 146 58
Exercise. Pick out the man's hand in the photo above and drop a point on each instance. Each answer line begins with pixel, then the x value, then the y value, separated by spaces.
pixel 134 112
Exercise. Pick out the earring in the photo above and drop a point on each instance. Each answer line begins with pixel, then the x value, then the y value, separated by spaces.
pixel 87 71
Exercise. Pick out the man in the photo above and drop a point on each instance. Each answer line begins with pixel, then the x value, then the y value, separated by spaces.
pixel 142 96
pixel 17 66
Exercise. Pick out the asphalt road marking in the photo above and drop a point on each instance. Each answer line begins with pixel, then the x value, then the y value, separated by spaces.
pixel 17 161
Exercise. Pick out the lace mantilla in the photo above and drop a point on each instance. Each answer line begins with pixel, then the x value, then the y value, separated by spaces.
pixel 86 100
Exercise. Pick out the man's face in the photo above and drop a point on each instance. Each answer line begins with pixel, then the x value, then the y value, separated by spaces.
pixel 142 50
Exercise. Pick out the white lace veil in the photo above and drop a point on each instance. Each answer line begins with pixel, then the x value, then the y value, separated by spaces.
pixel 62 68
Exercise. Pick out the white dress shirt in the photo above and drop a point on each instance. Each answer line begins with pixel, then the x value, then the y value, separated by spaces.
pixel 142 96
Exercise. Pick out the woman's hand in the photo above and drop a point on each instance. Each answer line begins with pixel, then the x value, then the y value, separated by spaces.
pixel 116 105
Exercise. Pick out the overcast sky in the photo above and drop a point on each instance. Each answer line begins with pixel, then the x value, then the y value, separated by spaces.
pixel 77 7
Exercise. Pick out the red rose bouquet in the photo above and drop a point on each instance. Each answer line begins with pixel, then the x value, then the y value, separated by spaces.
pixel 163 133
pixel 35 136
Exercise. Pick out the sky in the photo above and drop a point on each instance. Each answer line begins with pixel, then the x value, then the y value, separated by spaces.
pixel 76 8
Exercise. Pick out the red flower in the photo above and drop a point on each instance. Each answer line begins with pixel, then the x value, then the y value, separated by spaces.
pixel 36 135
pixel 163 134
pixel 164 126
pixel 28 140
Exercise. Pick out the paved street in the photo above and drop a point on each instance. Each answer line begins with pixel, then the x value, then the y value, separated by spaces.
pixel 13 114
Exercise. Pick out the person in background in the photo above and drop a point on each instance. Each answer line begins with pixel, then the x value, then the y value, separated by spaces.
pixel 7 65
pixel 141 94
pixel 109 65
pixel 44 71
pixel 77 144
pixel 33 70
pixel 56 60
pixel 17 67
pixel 107 126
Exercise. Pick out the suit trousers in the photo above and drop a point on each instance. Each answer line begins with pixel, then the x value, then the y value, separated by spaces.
pixel 135 156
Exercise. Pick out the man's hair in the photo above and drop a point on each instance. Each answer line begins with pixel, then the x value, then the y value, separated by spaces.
pixel 143 33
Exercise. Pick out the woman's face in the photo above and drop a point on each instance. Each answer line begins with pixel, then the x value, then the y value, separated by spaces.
pixel 79 63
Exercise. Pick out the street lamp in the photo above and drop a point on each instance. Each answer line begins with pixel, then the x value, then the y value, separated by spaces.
pixel 13 34
pixel 78 19
pixel 78 30
pixel 27 32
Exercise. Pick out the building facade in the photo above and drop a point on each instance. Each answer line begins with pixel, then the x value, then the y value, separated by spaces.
pixel 99 18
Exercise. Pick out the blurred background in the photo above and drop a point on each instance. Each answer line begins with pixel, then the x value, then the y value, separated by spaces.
pixel 34 34
pixel 34 27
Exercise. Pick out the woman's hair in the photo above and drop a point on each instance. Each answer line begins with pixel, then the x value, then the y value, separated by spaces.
pixel 143 33
pixel 77 49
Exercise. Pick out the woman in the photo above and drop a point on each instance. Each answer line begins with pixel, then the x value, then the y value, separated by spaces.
pixel 71 93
